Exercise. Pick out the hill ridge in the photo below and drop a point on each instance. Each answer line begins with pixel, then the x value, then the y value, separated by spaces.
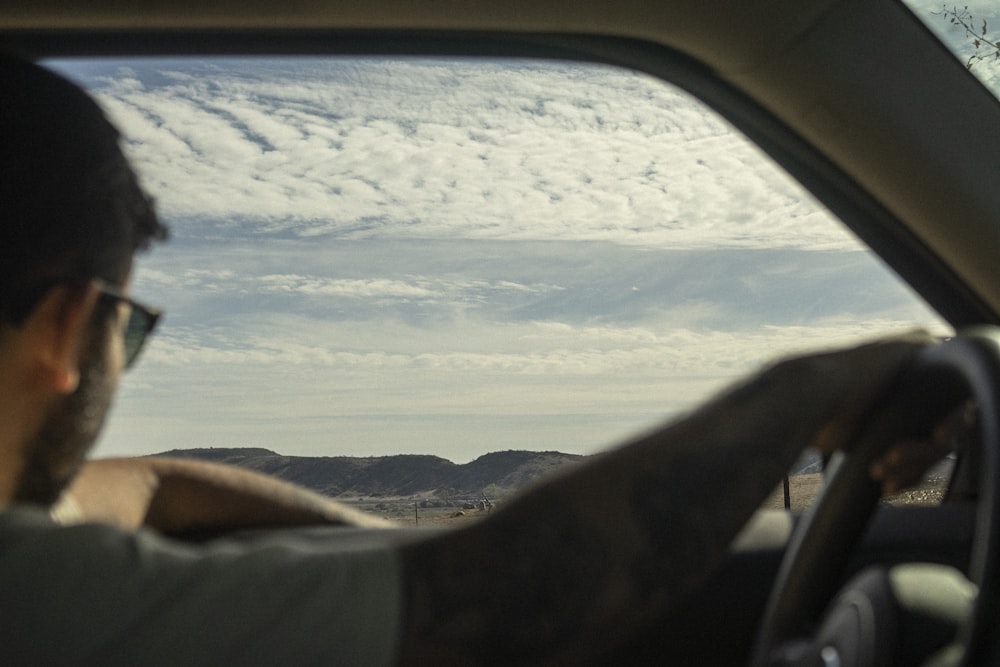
pixel 398 475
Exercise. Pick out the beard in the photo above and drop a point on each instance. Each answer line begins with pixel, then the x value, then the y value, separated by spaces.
pixel 55 454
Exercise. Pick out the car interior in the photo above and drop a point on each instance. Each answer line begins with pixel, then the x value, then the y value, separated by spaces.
pixel 858 101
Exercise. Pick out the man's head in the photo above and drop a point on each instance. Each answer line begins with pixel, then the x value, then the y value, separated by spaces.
pixel 72 215
pixel 71 208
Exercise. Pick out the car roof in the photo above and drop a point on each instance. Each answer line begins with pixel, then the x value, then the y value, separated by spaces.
pixel 855 97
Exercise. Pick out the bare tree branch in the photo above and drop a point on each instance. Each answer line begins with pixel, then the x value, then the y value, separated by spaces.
pixel 984 45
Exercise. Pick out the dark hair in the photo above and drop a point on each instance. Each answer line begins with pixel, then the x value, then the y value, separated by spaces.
pixel 71 208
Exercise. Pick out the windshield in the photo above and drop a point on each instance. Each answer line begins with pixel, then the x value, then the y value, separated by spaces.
pixel 971 31
pixel 453 257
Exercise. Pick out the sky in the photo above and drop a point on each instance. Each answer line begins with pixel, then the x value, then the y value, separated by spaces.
pixel 379 256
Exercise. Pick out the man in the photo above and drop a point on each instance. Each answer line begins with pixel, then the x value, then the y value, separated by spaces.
pixel 579 562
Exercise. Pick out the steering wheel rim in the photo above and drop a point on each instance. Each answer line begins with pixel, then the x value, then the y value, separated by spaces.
pixel 941 378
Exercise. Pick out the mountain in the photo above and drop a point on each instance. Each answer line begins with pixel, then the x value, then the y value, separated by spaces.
pixel 389 476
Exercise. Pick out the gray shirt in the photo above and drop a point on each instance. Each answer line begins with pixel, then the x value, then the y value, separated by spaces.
pixel 92 594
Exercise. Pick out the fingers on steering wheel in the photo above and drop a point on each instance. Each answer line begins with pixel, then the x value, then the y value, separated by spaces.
pixel 904 462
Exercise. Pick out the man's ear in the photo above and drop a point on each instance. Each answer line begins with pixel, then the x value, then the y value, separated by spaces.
pixel 56 333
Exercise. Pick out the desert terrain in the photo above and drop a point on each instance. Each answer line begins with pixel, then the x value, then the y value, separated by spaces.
pixel 803 490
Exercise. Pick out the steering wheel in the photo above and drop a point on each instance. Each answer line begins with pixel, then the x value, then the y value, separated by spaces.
pixel 941 379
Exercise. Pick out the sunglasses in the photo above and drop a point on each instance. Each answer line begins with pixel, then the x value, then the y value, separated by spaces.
pixel 141 320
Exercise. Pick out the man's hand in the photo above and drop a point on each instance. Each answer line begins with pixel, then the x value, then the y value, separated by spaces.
pixel 179 495
pixel 904 462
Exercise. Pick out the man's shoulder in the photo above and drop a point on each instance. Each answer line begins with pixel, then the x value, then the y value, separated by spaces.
pixel 29 532
pixel 299 597
pixel 18 518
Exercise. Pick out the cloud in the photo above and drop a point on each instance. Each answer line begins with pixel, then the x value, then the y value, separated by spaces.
pixel 362 148
pixel 568 388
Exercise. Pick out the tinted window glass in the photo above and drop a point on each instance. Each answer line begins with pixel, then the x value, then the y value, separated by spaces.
pixel 381 256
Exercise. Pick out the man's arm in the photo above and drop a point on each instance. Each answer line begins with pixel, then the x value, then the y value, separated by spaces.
pixel 179 495
pixel 565 572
